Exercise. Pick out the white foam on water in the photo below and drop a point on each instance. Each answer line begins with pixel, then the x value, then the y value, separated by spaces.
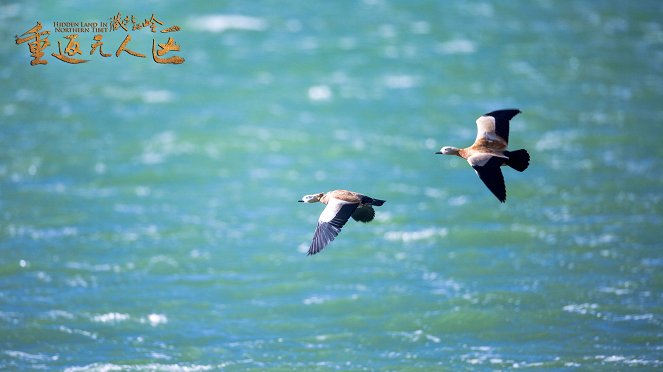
pixel 314 300
pixel 162 260
pixel 420 27
pixel 417 235
pixel 28 357
pixel 418 335
pixel 479 355
pixel 557 140
pixel 435 193
pixel 161 356
pixel 11 317
pixel 525 69
pixel 635 317
pixel 583 309
pixel 36 233
pixel 108 367
pixel 319 93
pixel 303 248
pixel 157 96
pixel 162 145
pixel 93 267
pixel 155 319
pixel 217 23
pixel 110 318
pixel 78 281
pixel 457 201
pixel 152 319
pixel 59 314
pixel 457 46
pixel 628 360
pixel 615 291
pixel 81 332
pixel 9 10
pixel 401 81
pixel 594 240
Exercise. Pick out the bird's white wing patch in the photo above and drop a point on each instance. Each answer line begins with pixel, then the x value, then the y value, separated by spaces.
pixel 331 210
pixel 479 160
pixel 486 128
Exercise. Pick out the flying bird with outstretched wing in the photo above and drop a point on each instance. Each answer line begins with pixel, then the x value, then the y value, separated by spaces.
pixel 341 205
pixel 489 151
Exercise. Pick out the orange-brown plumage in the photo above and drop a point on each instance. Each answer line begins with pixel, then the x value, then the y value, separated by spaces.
pixel 489 151
pixel 341 205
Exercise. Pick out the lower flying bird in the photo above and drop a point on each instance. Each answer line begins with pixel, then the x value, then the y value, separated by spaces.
pixel 489 153
pixel 341 205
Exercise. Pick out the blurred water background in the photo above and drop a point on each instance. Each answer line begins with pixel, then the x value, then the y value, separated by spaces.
pixel 148 214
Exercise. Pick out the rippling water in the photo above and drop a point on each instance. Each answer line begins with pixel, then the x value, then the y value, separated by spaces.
pixel 148 215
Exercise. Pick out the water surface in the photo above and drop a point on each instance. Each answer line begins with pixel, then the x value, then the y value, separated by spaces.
pixel 149 218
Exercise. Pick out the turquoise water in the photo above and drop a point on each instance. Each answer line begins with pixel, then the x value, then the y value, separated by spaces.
pixel 148 214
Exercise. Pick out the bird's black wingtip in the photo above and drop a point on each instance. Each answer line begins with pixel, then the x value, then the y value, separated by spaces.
pixel 515 111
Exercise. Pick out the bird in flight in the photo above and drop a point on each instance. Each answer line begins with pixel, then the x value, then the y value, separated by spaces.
pixel 341 205
pixel 489 151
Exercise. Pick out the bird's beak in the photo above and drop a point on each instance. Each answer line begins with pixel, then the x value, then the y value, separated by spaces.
pixel 301 201
pixel 439 153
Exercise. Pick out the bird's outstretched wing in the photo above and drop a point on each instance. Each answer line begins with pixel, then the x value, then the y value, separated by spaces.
pixel 331 220
pixel 495 124
pixel 488 169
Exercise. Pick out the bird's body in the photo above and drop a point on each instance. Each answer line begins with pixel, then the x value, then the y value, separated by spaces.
pixel 341 205
pixel 489 151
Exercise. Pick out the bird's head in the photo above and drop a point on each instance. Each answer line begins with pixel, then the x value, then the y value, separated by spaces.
pixel 448 150
pixel 313 198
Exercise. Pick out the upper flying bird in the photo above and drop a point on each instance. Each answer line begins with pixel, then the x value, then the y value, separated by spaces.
pixel 341 205
pixel 489 153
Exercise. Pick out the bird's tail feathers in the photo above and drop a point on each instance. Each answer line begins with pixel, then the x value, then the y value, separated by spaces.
pixel 518 160
pixel 364 214
pixel 377 202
